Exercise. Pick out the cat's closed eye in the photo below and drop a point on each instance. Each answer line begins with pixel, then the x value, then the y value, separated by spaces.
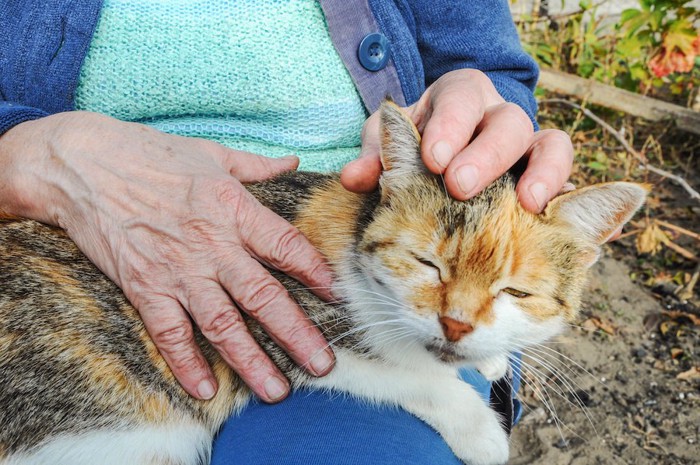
pixel 515 292
pixel 429 263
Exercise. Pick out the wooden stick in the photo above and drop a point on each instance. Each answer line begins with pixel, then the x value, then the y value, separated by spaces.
pixel 619 99
pixel 680 250
pixel 678 228
pixel 629 233
pixel 640 157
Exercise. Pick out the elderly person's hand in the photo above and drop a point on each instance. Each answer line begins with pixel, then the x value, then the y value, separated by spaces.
pixel 472 136
pixel 167 219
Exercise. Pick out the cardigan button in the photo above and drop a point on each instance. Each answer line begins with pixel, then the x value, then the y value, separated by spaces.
pixel 374 51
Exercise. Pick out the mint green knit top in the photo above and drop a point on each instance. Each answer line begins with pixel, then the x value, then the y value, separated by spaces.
pixel 255 75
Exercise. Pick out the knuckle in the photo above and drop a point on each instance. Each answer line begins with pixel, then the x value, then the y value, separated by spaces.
pixel 227 191
pixel 261 296
pixel 174 339
pixel 495 151
pixel 225 322
pixel 287 246
pixel 470 74
pixel 557 136
pixel 250 361
pixel 188 361
pixel 479 76
pixel 516 114
pixel 555 146
pixel 317 267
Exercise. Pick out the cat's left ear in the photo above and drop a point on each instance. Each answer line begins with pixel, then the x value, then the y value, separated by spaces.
pixel 598 211
pixel 400 147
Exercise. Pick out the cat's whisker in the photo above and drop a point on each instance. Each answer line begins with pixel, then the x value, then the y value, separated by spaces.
pixel 531 378
pixel 546 380
pixel 537 388
pixel 559 377
pixel 552 361
pixel 570 360
pixel 355 330
pixel 384 297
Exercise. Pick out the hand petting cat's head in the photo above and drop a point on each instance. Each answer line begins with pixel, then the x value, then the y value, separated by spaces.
pixel 478 279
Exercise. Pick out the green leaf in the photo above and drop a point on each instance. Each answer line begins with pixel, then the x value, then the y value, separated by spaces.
pixel 639 72
pixel 586 69
pixel 637 22
pixel 594 165
pixel 628 14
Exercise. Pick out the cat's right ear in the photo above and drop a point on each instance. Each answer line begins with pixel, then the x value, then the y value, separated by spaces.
pixel 597 211
pixel 400 148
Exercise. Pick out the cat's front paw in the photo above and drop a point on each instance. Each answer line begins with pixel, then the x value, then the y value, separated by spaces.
pixel 493 368
pixel 486 443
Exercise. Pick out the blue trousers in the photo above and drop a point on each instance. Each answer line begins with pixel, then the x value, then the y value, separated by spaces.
pixel 317 428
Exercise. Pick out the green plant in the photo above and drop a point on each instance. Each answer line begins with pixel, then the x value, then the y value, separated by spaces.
pixel 653 48
pixel 659 44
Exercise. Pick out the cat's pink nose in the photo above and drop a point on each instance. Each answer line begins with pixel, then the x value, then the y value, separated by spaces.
pixel 454 330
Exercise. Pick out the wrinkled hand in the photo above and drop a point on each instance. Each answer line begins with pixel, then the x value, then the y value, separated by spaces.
pixel 168 220
pixel 472 136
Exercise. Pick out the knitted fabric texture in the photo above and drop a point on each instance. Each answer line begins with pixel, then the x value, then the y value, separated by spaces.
pixel 255 75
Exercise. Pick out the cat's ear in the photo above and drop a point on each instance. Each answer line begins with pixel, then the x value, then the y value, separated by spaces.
pixel 400 146
pixel 598 211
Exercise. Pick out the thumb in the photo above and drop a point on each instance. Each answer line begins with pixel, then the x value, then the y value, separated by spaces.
pixel 362 174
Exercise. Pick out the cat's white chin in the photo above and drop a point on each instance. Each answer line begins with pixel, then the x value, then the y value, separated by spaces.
pixel 447 353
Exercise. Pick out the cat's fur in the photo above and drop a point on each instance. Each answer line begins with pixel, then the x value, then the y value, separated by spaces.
pixel 428 284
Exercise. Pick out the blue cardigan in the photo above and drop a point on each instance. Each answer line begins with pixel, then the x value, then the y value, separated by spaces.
pixel 43 44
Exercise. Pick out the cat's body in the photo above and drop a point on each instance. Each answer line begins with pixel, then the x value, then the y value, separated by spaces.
pixel 427 284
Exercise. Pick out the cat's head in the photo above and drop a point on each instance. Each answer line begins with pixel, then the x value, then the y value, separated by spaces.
pixel 480 278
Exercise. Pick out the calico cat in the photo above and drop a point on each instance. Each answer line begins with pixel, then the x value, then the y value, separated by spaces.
pixel 427 284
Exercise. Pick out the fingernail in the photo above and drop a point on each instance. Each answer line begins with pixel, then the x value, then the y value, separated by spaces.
pixel 275 388
pixel 540 194
pixel 206 390
pixel 467 178
pixel 321 363
pixel 442 153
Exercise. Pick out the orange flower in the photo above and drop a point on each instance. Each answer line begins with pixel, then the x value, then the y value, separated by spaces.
pixel 674 59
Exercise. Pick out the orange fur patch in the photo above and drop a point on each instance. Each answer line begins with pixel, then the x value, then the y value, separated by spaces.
pixel 328 219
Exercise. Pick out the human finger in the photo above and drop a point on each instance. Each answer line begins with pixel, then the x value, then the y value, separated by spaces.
pixel 223 326
pixel 452 110
pixel 362 174
pixel 171 331
pixel 503 135
pixel 250 167
pixel 267 301
pixel 549 160
pixel 280 245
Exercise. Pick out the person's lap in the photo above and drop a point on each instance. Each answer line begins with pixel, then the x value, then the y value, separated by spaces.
pixel 312 427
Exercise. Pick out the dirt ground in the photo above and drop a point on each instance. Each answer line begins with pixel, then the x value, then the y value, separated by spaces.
pixel 625 388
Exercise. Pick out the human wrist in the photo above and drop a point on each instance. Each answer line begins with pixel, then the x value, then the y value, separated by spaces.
pixel 30 172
